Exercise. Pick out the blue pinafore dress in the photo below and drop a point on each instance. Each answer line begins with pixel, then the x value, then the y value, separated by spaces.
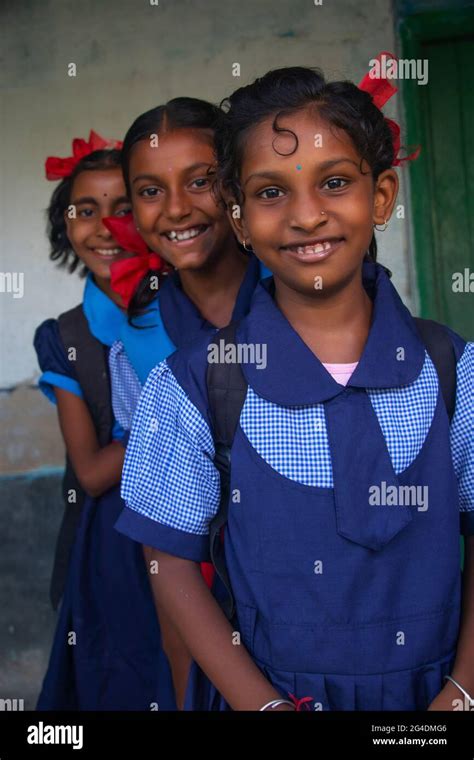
pixel 107 652
pixel 342 541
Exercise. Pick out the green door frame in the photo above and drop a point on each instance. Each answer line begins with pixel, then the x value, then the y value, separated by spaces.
pixel 414 30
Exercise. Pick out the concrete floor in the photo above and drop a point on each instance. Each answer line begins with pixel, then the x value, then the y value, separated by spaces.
pixel 30 513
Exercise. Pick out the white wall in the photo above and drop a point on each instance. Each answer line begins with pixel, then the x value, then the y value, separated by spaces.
pixel 131 56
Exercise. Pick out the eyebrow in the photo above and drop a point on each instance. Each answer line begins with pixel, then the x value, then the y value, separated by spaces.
pixel 84 199
pixel 324 165
pixel 93 201
pixel 154 177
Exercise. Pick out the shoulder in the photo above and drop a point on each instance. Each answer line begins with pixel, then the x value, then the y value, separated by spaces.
pixel 50 350
pixel 459 344
pixel 47 338
pixel 188 366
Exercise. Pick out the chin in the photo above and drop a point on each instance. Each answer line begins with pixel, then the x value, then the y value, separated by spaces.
pixel 190 260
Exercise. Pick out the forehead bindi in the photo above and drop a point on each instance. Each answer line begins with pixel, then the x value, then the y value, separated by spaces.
pixel 307 141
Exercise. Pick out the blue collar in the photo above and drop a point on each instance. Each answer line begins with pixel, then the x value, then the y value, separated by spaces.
pixel 104 317
pixel 172 321
pixel 296 376
pixel 184 323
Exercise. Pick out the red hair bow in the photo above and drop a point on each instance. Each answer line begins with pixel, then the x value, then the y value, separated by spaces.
pixel 58 168
pixel 126 275
pixel 382 90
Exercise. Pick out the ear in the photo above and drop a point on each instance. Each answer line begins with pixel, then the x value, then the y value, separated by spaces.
pixel 235 216
pixel 385 195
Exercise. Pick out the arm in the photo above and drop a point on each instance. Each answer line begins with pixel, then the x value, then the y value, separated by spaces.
pixel 173 645
pixel 463 670
pixel 182 593
pixel 97 469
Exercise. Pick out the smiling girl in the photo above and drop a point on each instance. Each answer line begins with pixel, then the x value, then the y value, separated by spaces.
pixel 341 604
pixel 169 168
pixel 99 660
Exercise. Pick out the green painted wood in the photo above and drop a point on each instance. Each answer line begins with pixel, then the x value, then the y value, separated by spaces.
pixel 440 117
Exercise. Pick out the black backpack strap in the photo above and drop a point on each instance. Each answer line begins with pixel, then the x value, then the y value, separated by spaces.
pixel 441 350
pixel 227 388
pixel 91 369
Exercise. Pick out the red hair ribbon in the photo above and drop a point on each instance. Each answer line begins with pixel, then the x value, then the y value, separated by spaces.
pixel 58 168
pixel 382 90
pixel 126 275
pixel 300 702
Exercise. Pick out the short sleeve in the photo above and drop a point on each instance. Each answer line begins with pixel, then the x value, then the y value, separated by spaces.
pixel 57 370
pixel 170 484
pixel 462 437
pixel 125 385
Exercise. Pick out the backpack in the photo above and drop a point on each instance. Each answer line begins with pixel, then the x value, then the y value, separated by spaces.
pixel 227 389
pixel 92 372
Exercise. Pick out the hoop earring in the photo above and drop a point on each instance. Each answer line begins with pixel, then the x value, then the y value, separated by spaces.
pixel 249 250
pixel 383 228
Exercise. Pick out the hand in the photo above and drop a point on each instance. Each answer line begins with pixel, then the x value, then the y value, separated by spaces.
pixel 447 698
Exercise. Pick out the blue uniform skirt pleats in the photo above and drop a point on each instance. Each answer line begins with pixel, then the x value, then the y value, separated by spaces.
pixel 107 652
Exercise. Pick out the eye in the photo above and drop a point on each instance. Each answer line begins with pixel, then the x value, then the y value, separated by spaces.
pixel 86 213
pixel 270 193
pixel 149 192
pixel 123 211
pixel 200 183
pixel 335 183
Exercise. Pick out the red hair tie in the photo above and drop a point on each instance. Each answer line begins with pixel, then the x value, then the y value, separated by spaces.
pixel 382 90
pixel 58 168
pixel 126 275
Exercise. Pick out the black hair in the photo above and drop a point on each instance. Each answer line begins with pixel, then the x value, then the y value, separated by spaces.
pixel 284 91
pixel 175 114
pixel 61 249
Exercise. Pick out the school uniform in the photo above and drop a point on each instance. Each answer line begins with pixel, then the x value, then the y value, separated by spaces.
pixel 349 600
pixel 171 321
pixel 106 652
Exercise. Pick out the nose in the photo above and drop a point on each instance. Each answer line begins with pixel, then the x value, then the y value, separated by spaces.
pixel 102 230
pixel 176 204
pixel 307 211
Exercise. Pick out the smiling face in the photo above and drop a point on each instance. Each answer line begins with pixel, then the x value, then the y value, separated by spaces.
pixel 310 214
pixel 173 206
pixel 96 194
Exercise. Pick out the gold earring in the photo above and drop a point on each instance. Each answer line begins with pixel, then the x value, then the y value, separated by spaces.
pixel 382 229
pixel 249 250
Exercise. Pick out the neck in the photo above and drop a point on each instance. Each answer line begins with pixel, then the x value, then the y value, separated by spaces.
pixel 334 327
pixel 105 286
pixel 213 289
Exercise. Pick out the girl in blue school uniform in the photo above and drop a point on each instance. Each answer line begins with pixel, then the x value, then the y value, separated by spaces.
pixel 107 652
pixel 168 161
pixel 346 598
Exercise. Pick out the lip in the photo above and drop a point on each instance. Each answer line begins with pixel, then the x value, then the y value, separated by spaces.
pixel 109 256
pixel 312 258
pixel 190 241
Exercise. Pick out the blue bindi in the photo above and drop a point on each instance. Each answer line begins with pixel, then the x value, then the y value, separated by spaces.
pixel 299 167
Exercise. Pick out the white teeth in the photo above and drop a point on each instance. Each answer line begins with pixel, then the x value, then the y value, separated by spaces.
pixel 185 234
pixel 308 250
pixel 108 252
